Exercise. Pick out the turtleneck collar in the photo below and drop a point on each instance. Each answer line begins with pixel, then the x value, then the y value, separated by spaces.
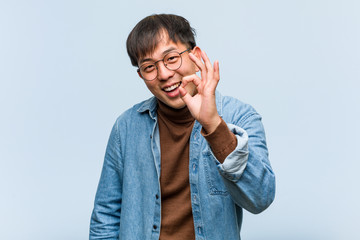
pixel 178 116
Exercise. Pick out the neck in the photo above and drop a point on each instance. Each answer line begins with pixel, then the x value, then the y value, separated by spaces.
pixel 179 116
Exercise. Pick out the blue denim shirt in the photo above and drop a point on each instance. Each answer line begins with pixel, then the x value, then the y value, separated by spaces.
pixel 128 202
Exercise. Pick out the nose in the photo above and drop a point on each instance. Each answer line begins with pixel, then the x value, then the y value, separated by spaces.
pixel 163 73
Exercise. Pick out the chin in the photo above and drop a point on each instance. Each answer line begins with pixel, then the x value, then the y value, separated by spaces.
pixel 176 105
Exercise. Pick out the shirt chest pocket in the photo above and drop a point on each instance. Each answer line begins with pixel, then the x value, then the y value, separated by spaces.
pixel 214 180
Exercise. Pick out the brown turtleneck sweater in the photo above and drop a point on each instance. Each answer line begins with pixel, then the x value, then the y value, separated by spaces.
pixel 175 126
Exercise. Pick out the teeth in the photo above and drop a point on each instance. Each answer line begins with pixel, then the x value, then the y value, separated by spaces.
pixel 168 89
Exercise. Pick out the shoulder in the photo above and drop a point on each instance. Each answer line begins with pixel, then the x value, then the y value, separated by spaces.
pixel 138 112
pixel 234 110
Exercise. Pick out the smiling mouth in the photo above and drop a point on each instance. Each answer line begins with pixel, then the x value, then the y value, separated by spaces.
pixel 173 87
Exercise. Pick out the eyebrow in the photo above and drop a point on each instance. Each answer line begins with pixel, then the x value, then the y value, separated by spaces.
pixel 163 53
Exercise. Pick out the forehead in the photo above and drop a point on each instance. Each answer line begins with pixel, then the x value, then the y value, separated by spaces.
pixel 163 45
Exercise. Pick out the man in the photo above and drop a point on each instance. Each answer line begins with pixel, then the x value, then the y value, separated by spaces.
pixel 183 164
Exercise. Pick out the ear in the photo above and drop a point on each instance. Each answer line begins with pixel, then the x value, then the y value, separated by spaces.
pixel 138 72
pixel 197 52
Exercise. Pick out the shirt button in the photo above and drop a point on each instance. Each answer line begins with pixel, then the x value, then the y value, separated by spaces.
pixel 194 167
pixel 157 196
pixel 155 227
pixel 195 198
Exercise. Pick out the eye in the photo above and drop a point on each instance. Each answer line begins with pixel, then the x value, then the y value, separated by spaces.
pixel 148 68
pixel 172 58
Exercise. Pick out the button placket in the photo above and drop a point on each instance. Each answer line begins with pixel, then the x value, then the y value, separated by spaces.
pixel 193 178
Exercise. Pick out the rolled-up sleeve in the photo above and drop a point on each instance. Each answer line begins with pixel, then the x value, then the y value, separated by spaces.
pixel 246 171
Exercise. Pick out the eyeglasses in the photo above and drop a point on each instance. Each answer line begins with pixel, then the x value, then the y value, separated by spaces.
pixel 172 61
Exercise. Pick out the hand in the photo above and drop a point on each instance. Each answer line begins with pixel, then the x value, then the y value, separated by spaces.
pixel 203 105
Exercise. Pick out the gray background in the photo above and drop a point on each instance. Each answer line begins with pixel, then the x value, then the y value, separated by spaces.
pixel 65 77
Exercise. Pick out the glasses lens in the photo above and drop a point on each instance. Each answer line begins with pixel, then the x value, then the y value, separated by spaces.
pixel 172 60
pixel 148 71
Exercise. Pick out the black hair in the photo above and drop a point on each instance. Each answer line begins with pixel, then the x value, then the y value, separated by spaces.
pixel 146 34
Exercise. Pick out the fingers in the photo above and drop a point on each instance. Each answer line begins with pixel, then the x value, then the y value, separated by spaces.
pixel 206 61
pixel 191 78
pixel 200 65
pixel 204 66
pixel 185 96
pixel 216 70
pixel 208 72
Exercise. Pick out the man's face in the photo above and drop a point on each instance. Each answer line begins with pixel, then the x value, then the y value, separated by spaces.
pixel 165 86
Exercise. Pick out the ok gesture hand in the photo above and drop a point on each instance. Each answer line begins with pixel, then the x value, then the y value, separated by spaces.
pixel 202 105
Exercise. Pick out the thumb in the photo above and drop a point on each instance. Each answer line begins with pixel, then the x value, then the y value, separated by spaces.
pixel 185 96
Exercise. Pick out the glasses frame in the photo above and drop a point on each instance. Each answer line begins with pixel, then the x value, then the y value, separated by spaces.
pixel 155 63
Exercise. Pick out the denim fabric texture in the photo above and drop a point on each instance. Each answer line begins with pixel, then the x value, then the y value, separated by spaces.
pixel 128 202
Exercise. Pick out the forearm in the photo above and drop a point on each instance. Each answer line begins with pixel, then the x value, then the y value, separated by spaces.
pixel 222 141
pixel 246 171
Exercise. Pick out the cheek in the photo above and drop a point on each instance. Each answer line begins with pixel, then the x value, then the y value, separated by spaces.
pixel 191 88
pixel 188 68
pixel 150 85
pixel 154 89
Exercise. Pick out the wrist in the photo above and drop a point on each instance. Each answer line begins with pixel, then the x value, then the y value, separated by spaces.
pixel 212 125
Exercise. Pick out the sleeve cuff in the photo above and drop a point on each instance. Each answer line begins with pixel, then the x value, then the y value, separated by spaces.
pixel 222 141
